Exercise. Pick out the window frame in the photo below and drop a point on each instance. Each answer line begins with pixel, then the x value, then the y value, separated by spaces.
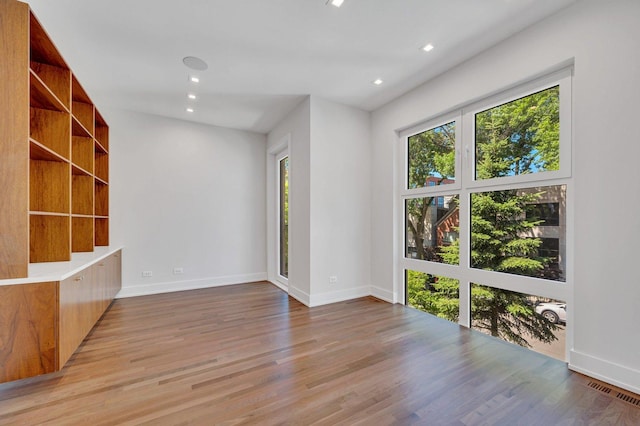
pixel 466 185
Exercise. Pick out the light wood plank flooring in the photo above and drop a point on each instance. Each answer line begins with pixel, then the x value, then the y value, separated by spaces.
pixel 249 354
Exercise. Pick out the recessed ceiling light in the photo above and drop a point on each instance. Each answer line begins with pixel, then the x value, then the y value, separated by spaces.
pixel 189 109
pixel 377 82
pixel 194 79
pixel 192 96
pixel 427 47
pixel 195 63
pixel 336 3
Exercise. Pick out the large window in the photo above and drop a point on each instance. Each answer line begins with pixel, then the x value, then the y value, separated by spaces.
pixel 484 199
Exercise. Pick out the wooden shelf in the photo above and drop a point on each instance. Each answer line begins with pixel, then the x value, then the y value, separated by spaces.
pixel 42 97
pixel 51 129
pixel 102 166
pixel 101 132
pixel 56 79
pixel 82 153
pixel 49 183
pixel 101 199
pixel 77 129
pixel 82 234
pixel 82 194
pixel 101 231
pixel 37 151
pixel 53 151
pixel 49 237
pixel 83 113
pixel 42 48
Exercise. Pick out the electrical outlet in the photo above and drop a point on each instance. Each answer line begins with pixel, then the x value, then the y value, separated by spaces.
pixel 178 271
pixel 147 273
pixel 333 279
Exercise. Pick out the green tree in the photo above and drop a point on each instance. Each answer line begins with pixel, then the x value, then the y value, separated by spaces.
pixel 431 158
pixel 511 139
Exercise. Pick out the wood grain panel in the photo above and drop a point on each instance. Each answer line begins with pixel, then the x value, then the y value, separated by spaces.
pixel 49 186
pixel 81 234
pixel 84 114
pixel 56 79
pixel 75 319
pixel 82 194
pixel 249 354
pixel 101 199
pixel 102 166
pixel 50 238
pixel 102 231
pixel 102 132
pixel 52 129
pixel 14 136
pixel 28 334
pixel 82 153
pixel 43 50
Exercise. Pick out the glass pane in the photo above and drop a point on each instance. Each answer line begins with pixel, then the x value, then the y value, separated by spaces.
pixel 529 321
pixel 434 294
pixel 519 137
pixel 432 157
pixel 432 225
pixel 510 234
pixel 284 217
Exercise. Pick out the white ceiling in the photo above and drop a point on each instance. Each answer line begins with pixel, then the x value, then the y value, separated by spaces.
pixel 264 56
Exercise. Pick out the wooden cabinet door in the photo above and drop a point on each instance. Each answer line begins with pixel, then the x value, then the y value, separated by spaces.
pixel 28 333
pixel 75 317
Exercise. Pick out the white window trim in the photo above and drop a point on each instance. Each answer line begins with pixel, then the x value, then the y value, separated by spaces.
pixel 274 154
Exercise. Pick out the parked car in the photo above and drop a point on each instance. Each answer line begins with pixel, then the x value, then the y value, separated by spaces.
pixel 554 312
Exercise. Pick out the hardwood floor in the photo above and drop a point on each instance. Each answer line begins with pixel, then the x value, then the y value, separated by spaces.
pixel 249 354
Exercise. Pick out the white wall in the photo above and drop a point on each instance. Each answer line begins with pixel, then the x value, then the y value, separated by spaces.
pixel 329 201
pixel 340 202
pixel 296 128
pixel 601 38
pixel 185 195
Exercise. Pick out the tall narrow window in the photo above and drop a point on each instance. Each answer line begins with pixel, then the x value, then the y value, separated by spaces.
pixel 283 211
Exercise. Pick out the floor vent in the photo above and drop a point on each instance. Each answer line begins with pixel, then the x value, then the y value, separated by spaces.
pixel 600 387
pixel 626 397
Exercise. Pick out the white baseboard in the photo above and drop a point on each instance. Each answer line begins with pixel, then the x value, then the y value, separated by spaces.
pixel 299 295
pixel 339 296
pixel 281 286
pixel 618 375
pixel 168 287
pixel 382 294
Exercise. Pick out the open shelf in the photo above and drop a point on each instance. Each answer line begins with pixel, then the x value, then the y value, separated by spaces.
pixel 51 129
pixel 83 113
pixel 101 231
pixel 42 96
pixel 49 238
pixel 56 80
pixel 49 186
pixel 82 234
pixel 81 193
pixel 37 151
pixel 101 199
pixel 82 153
pixel 102 132
pixel 42 48
pixel 102 166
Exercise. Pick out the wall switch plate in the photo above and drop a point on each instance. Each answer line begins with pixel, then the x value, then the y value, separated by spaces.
pixel 178 271
pixel 147 273
pixel 333 279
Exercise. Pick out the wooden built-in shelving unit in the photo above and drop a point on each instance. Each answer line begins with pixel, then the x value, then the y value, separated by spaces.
pixel 66 201
pixel 54 193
